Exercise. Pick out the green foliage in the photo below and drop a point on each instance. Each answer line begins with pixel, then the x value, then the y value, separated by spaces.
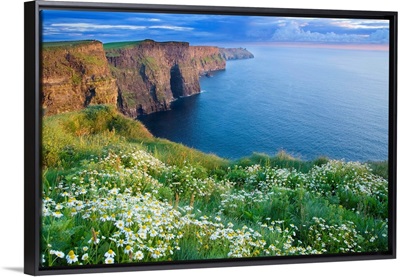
pixel 63 44
pixel 114 193
pixel 150 62
pixel 237 175
pixel 120 44
pixel 76 78
pixel 178 154
pixel 380 168
pixel 281 160
pixel 89 60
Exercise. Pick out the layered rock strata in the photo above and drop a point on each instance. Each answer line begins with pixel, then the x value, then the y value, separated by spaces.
pixel 74 75
pixel 150 75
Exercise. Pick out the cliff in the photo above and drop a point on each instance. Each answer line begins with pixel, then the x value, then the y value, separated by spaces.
pixel 150 75
pixel 74 75
pixel 235 53
pixel 142 77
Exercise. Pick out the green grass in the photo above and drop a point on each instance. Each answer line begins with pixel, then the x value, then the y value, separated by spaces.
pixel 90 59
pixel 120 44
pixel 64 44
pixel 67 138
pixel 101 168
pixel 380 168
pixel 280 160
pixel 112 48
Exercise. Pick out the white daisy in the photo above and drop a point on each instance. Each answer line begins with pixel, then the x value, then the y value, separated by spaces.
pixel 109 260
pixel 120 243
pixel 119 224
pixel 57 214
pixel 60 254
pixel 109 254
pixel 128 249
pixel 142 235
pixel 71 257
pixel 153 233
pixel 156 254
pixel 139 255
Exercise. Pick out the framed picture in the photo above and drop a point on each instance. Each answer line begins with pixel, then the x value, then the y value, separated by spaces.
pixel 162 137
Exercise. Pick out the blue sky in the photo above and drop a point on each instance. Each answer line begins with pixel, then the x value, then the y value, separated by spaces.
pixel 206 29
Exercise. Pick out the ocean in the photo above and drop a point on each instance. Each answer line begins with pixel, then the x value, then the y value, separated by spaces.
pixel 309 102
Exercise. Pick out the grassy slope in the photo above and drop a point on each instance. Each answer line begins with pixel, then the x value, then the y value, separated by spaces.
pixel 324 205
pixel 96 127
pixel 68 138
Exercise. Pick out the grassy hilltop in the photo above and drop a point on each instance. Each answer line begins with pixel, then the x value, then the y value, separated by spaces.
pixel 113 193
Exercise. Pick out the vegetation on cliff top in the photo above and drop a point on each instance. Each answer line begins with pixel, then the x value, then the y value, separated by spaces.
pixel 120 44
pixel 113 193
pixel 124 44
pixel 64 44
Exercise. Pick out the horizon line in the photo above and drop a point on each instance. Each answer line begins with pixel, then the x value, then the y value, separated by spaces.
pixel 330 45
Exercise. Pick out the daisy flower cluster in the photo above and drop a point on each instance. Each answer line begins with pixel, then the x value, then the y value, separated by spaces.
pixel 267 177
pixel 352 177
pixel 236 200
pixel 116 209
pixel 192 182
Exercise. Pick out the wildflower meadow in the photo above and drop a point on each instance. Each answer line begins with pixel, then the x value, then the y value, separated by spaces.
pixel 112 194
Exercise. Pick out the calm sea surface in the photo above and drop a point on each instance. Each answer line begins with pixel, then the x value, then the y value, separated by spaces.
pixel 307 101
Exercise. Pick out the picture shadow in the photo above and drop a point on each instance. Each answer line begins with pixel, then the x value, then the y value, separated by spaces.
pixel 15 269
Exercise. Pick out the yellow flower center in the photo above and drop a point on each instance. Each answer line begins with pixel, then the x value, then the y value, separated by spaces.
pixel 110 251
pixel 71 254
pixel 128 247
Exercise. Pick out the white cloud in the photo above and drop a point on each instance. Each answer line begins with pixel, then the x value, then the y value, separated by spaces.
pixel 143 19
pixel 82 27
pixel 293 32
pixel 360 24
pixel 168 27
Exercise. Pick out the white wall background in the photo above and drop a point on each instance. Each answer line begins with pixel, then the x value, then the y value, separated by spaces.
pixel 11 148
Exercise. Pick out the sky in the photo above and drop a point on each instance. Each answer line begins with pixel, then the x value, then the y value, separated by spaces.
pixel 205 29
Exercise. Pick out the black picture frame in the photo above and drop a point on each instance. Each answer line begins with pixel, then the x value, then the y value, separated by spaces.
pixel 32 134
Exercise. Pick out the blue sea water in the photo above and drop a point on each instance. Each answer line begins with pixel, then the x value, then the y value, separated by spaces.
pixel 309 102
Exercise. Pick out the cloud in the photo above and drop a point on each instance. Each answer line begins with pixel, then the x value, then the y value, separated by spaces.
pixel 293 31
pixel 360 24
pixel 380 36
pixel 143 19
pixel 168 27
pixel 200 28
pixel 87 27
pixel 82 27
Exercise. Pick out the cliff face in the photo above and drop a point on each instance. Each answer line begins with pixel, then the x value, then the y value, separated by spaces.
pixel 235 53
pixel 150 75
pixel 75 75
pixel 141 77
